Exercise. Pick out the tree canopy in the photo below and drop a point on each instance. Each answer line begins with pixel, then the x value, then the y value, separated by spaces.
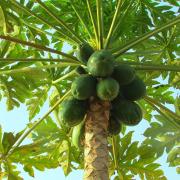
pixel 39 41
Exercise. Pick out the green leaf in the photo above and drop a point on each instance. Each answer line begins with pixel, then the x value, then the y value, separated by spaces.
pixel 29 169
pixel 37 101
pixel 8 141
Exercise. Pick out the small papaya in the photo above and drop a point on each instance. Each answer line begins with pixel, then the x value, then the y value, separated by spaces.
pixel 78 134
pixel 83 87
pixel 107 89
pixel 124 74
pixel 84 52
pixel 100 63
pixel 134 90
pixel 72 111
pixel 114 127
pixel 127 112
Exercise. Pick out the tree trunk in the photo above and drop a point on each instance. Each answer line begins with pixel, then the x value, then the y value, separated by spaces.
pixel 96 145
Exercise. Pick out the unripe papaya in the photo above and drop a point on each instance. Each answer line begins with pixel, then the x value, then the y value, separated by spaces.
pixel 114 127
pixel 107 89
pixel 78 134
pixel 72 111
pixel 84 87
pixel 127 112
pixel 124 74
pixel 134 90
pixel 84 52
pixel 101 64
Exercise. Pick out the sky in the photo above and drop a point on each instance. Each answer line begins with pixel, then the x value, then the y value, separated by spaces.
pixel 16 120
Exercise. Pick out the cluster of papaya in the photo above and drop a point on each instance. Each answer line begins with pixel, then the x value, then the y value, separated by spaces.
pixel 104 80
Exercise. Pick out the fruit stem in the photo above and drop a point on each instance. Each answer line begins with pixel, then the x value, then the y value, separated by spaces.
pixel 36 123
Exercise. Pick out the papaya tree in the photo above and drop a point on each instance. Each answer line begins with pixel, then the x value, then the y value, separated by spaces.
pixel 102 66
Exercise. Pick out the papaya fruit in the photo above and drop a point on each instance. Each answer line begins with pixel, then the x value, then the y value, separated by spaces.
pixel 78 134
pixel 101 64
pixel 81 70
pixel 114 127
pixel 84 52
pixel 127 112
pixel 72 111
pixel 107 89
pixel 124 74
pixel 134 90
pixel 83 87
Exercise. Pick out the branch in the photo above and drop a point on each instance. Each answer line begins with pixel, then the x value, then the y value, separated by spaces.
pixel 158 68
pixel 113 24
pixel 29 69
pixel 92 20
pixel 165 109
pixel 43 20
pixel 118 51
pixel 100 23
pixel 151 67
pixel 174 123
pixel 142 52
pixel 81 20
pixel 114 152
pixel 21 138
pixel 62 23
pixel 73 72
pixel 37 46
pixel 37 60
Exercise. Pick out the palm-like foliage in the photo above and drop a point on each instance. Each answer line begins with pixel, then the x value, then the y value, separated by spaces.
pixel 37 67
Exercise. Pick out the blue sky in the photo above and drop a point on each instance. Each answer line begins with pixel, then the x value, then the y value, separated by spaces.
pixel 17 119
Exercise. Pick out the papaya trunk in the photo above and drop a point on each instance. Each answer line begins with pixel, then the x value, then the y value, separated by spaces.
pixel 96 145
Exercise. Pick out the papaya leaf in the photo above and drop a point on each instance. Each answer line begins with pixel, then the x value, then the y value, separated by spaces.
pixel 137 159
pixel 34 104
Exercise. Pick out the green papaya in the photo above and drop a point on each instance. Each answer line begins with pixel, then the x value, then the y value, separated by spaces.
pixel 78 134
pixel 114 127
pixel 107 89
pixel 127 112
pixel 83 87
pixel 134 90
pixel 72 111
pixel 101 64
pixel 84 52
pixel 124 74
